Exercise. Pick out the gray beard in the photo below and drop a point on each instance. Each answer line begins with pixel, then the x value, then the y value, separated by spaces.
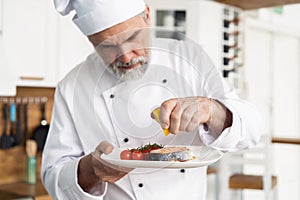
pixel 132 74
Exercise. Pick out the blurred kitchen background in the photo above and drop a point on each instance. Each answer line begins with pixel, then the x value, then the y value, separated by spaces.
pixel 255 45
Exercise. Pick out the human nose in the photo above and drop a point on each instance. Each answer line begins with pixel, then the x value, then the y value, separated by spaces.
pixel 126 54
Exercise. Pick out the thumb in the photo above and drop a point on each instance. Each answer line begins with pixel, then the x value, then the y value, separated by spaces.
pixel 105 147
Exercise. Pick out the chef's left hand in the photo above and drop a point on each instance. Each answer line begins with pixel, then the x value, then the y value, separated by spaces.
pixel 105 171
pixel 186 114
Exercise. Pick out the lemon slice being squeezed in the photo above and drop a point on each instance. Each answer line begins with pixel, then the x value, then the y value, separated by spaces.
pixel 157 118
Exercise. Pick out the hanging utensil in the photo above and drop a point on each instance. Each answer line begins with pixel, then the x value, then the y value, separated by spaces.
pixel 12 114
pixel 6 141
pixel 25 120
pixel 41 132
pixel 19 126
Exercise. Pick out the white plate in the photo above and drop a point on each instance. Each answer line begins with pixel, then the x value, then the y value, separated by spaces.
pixel 204 156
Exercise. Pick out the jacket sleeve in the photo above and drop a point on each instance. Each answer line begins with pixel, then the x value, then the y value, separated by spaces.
pixel 246 129
pixel 62 153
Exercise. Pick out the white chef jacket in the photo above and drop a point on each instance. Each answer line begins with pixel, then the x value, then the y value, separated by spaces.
pixel 92 105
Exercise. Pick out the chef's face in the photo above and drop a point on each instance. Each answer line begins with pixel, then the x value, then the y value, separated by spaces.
pixel 124 47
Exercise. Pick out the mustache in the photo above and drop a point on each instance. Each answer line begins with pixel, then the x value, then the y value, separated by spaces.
pixel 141 59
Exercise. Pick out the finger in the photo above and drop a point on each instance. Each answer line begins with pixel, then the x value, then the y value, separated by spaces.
pixel 190 108
pixel 186 117
pixel 175 119
pixel 194 122
pixel 108 172
pixel 105 147
pixel 165 112
pixel 204 109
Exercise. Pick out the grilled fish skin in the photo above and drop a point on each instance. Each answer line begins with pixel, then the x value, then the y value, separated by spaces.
pixel 181 154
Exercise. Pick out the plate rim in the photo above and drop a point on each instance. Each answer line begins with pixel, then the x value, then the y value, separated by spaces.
pixel 162 164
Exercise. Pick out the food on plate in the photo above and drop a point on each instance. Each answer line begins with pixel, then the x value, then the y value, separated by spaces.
pixel 172 154
pixel 125 155
pixel 156 152
pixel 137 155
pixel 157 118
pixel 140 153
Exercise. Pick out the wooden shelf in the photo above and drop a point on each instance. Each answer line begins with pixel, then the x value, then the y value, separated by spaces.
pixel 23 189
pixel 286 140
pixel 243 181
pixel 255 4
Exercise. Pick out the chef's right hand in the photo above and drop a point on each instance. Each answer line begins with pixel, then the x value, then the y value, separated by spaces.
pixel 105 171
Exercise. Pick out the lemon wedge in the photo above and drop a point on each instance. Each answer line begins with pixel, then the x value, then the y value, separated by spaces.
pixel 157 118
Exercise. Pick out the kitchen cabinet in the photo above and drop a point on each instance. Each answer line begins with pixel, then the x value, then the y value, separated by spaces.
pixel 41 46
pixel 25 36
pixel 258 44
pixel 286 93
pixel 7 77
pixel 272 75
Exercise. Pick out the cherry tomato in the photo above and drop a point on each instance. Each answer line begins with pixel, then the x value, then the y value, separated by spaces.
pixel 137 155
pixel 125 155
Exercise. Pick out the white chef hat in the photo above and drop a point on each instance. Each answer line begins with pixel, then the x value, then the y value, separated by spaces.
pixel 93 16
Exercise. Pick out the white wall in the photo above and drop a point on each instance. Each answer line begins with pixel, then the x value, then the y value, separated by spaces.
pixel 273 84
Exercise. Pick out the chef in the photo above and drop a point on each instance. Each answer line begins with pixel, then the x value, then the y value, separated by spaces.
pixel 105 103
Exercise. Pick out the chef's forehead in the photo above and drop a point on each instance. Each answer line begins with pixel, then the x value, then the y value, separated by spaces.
pixel 127 36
